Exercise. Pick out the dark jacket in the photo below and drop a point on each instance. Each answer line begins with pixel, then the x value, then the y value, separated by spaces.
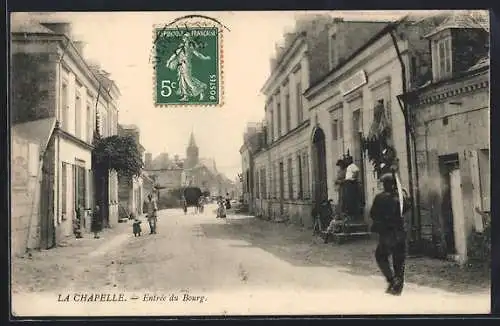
pixel 385 213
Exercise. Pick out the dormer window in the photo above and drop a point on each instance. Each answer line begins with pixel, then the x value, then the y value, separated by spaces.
pixel 442 57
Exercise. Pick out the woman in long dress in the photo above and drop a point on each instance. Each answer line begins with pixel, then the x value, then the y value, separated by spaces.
pixel 181 60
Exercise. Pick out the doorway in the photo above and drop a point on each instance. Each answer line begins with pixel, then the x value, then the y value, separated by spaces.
pixel 357 150
pixel 451 207
pixel 319 159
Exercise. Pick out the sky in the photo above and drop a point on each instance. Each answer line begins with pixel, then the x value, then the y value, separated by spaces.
pixel 122 43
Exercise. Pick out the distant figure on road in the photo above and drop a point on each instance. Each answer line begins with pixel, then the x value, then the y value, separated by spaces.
pixel 201 202
pixel 221 209
pixel 152 214
pixel 228 201
pixel 96 225
pixel 184 204
pixel 388 223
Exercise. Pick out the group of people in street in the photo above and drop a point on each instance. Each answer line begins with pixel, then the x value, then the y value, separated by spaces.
pixel 151 215
pixel 350 200
pixel 348 187
pixel 223 204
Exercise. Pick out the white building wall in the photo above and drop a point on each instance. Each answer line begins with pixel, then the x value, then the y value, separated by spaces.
pixel 69 152
pixel 384 81
pixel 298 210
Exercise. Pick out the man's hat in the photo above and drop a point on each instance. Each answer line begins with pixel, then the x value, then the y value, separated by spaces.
pixel 387 177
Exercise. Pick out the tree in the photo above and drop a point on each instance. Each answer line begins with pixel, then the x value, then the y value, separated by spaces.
pixel 118 153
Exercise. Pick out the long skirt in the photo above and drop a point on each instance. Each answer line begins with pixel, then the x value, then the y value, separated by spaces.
pixel 96 225
pixel 351 198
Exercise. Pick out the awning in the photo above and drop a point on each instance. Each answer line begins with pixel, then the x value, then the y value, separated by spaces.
pixel 37 131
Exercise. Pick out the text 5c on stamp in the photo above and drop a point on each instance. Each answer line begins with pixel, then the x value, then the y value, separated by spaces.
pixel 187 69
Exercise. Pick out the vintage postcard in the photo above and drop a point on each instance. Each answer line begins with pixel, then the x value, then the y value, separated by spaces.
pixel 249 163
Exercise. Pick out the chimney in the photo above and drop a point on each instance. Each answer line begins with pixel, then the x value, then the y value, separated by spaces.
pixel 288 39
pixel 148 160
pixel 59 28
pixel 79 45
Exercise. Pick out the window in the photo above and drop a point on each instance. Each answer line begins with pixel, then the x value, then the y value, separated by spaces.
pixel 281 181
pixel 300 112
pixel 80 184
pixel 64 106
pixel 64 188
pixel 442 58
pixel 263 182
pixel 90 203
pixel 276 176
pixel 278 108
pixel 78 114
pixel 335 130
pixel 288 117
pixel 290 179
pixel 413 67
pixel 89 123
pixel 305 159
pixel 257 185
pixel 357 124
pixel 300 194
pixel 271 129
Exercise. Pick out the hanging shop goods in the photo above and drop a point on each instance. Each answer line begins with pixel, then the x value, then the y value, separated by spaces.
pixel 380 153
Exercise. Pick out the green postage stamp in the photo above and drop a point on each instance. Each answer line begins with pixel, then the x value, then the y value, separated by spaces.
pixel 188 66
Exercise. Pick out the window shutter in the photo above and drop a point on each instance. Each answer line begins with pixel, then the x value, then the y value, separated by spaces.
pixel 476 190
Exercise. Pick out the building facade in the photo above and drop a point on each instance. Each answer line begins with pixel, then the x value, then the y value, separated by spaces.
pixel 394 61
pixel 131 195
pixel 254 140
pixel 48 64
pixel 451 121
pixel 283 170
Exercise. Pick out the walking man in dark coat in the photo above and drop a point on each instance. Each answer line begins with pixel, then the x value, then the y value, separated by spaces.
pixel 388 223
pixel 152 214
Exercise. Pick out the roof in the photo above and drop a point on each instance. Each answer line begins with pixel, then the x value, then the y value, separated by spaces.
pixel 192 142
pixel 209 163
pixel 162 161
pixel 462 19
pixel 483 62
pixel 29 26
pixel 37 131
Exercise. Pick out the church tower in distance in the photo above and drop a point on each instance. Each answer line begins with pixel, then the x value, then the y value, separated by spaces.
pixel 191 153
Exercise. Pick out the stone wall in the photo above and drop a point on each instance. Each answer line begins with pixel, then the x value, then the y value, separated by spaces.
pixel 457 125
pixel 25 195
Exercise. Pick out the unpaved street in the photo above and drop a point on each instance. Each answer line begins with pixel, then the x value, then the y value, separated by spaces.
pixel 241 265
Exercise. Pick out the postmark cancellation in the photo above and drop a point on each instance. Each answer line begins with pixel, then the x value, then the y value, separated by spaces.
pixel 188 64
